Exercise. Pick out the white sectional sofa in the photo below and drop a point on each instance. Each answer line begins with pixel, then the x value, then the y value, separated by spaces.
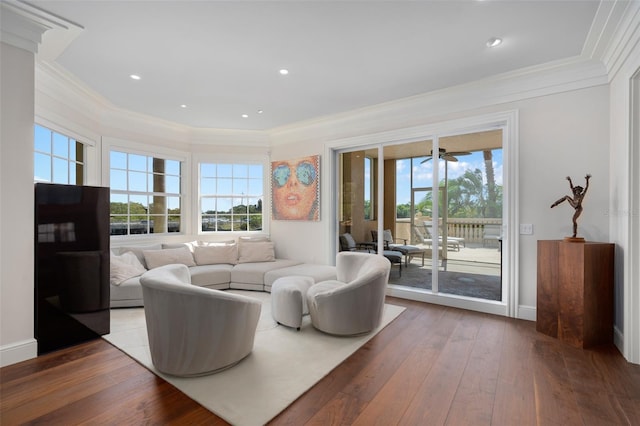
pixel 245 264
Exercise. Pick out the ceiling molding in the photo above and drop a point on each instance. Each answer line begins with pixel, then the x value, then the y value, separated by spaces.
pixel 36 30
pixel 21 28
pixel 226 137
pixel 626 37
pixel 554 77
pixel 603 27
pixel 55 85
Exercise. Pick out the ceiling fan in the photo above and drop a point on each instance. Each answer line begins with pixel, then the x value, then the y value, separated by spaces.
pixel 447 156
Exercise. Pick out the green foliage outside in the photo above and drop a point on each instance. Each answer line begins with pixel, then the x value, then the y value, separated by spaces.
pixel 468 197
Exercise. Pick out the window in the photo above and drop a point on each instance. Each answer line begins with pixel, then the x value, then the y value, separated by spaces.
pixel 231 197
pixel 145 194
pixel 57 158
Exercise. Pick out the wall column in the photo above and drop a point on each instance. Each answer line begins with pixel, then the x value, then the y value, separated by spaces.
pixel 18 44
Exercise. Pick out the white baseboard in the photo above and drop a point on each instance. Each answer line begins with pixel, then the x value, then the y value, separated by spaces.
pixel 18 351
pixel 527 312
pixel 618 339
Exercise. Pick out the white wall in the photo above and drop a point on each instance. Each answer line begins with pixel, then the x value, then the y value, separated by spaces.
pixel 16 205
pixel 307 241
pixel 561 135
pixel 624 216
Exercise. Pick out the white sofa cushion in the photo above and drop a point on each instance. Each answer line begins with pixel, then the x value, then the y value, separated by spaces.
pixel 127 294
pixel 253 273
pixel 124 267
pixel 190 245
pixel 211 275
pixel 258 251
pixel 215 254
pixel 317 272
pixel 157 258
pixel 137 250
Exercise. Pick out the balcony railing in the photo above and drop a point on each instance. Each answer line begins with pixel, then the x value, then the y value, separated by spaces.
pixel 471 229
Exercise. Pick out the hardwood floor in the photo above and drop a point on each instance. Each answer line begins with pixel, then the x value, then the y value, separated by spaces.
pixel 433 365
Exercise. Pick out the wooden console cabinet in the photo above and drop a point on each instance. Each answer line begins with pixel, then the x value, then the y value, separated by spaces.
pixel 575 291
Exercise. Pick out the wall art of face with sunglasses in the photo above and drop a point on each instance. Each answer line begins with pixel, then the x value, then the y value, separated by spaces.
pixel 295 189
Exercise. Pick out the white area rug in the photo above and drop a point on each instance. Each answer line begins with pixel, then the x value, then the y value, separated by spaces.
pixel 284 363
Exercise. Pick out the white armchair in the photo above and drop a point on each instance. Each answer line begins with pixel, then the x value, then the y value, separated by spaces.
pixel 194 330
pixel 354 302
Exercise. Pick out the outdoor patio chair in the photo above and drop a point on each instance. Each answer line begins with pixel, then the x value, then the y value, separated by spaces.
pixel 452 242
pixel 491 233
pixel 348 243
pixel 408 251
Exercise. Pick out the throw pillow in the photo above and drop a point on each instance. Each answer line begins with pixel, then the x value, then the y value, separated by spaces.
pixel 124 267
pixel 263 251
pixel 190 245
pixel 256 239
pixel 214 254
pixel 137 250
pixel 215 243
pixel 156 258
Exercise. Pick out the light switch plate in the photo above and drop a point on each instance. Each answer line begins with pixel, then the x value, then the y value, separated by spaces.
pixel 526 229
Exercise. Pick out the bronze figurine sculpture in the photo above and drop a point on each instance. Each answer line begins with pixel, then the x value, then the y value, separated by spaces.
pixel 575 201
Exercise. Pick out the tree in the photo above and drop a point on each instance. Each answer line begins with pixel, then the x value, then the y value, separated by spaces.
pixel 403 210
pixel 492 194
pixel 468 197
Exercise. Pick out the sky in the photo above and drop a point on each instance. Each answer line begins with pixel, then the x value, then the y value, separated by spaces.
pixel 424 172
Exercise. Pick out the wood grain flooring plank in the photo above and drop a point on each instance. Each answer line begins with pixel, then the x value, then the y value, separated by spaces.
pixel 53 359
pixel 339 411
pixel 597 394
pixel 515 397
pixel 61 388
pixel 432 407
pixel 474 399
pixel 83 410
pixel 392 401
pixel 554 395
pixel 366 384
pixel 301 410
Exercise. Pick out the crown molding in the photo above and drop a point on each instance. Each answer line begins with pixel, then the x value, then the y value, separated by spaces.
pixel 20 28
pixel 603 27
pixel 625 38
pixel 58 86
pixel 36 30
pixel 57 81
pixel 226 137
pixel 540 80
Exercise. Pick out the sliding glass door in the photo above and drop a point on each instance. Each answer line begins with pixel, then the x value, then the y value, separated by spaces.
pixel 440 201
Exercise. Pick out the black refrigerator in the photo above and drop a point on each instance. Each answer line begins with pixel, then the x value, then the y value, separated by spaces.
pixel 71 265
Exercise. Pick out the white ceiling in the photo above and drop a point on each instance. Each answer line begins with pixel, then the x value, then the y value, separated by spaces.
pixel 222 59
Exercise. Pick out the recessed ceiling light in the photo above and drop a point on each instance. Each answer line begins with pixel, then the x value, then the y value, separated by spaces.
pixel 284 71
pixel 494 41
pixel 183 106
pixel 135 77
pixel 245 116
pixel 260 111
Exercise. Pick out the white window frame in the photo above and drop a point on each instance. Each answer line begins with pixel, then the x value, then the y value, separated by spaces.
pixel 136 148
pixel 88 147
pixel 262 160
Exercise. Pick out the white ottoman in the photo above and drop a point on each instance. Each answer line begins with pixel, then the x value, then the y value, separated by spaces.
pixel 289 300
